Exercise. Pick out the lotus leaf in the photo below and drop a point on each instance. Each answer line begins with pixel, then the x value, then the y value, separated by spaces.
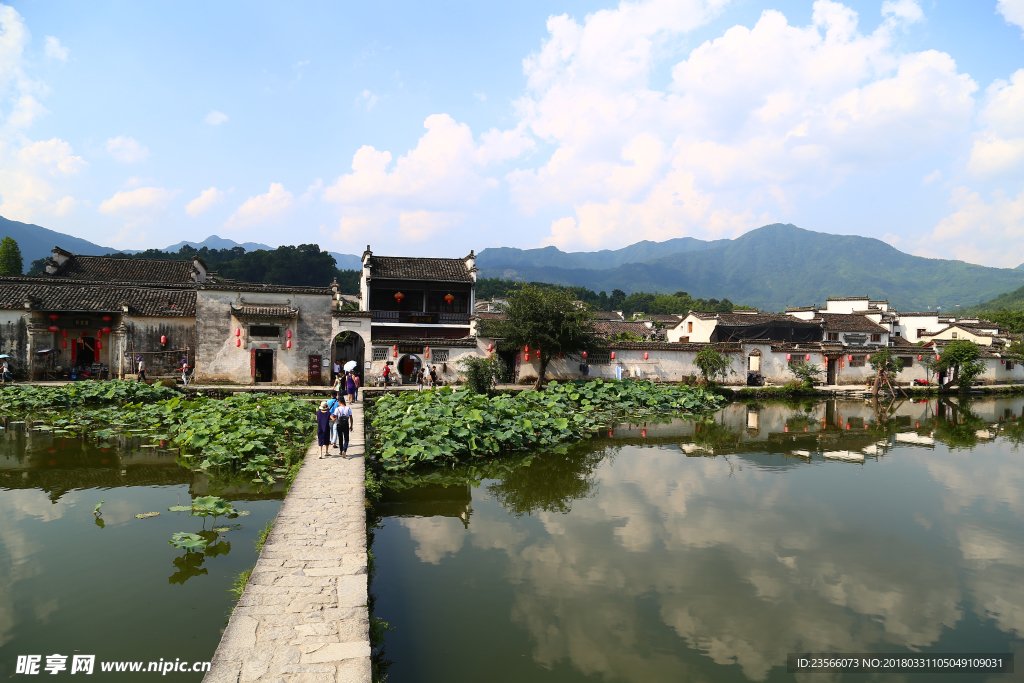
pixel 190 542
pixel 147 515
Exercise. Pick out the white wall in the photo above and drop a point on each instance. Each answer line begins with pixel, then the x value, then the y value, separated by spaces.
pixel 702 330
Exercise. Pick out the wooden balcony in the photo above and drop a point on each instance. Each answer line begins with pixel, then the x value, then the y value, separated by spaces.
pixel 419 318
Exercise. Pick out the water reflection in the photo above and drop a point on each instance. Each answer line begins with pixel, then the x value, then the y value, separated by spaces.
pixel 709 549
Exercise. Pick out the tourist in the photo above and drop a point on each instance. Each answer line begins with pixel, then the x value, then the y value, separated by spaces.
pixel 323 428
pixel 419 380
pixel 5 373
pixel 184 371
pixel 433 376
pixel 331 405
pixel 344 422
pixel 339 385
pixel 386 375
pixel 142 369
pixel 355 379
pixel 337 369
pixel 350 386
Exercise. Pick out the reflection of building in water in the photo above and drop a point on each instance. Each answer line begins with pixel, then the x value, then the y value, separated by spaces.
pixel 429 500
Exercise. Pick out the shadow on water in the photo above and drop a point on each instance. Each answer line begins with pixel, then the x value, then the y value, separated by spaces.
pixel 707 549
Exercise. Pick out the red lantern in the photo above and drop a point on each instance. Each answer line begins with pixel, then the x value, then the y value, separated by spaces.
pixel 613 355
pixel 64 344
pixel 106 330
pixel 869 357
pixel 1002 362
pixel 584 355
pixel 609 433
pixel 526 357
pixel 807 357
pixel 163 338
pixel 643 433
pixel 937 358
pixel 786 428
pixel 646 356
pixel 106 318
pixel 99 345
pixel 526 348
pixel 426 352
pixel 238 331
pixel 53 328
pixel 64 334
pixel 288 344
pixel 847 425
pixel 789 356
pixel 805 429
pixel 395 354
pixel 917 425
pixel 99 333
pixel 449 298
pixel 919 358
pixel 398 297
pixel 559 354
pixel 490 347
pixel 238 342
pixel 54 316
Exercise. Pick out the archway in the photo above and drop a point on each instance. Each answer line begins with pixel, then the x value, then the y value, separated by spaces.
pixel 407 365
pixel 348 346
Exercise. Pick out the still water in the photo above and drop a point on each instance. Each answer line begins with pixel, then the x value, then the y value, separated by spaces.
pixel 708 550
pixel 112 587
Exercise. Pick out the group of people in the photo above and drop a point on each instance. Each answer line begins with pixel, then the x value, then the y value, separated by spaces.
pixel 185 367
pixel 334 416
pixel 422 377
pixel 5 373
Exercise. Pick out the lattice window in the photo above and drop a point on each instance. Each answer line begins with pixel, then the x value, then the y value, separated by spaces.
pixel 599 358
pixel 439 355
pixel 380 353
pixel 264 331
pixel 908 361
pixel 858 361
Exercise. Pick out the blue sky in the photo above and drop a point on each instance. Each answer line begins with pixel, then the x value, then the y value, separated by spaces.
pixel 431 129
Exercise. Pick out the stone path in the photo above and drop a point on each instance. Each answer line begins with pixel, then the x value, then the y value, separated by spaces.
pixel 303 616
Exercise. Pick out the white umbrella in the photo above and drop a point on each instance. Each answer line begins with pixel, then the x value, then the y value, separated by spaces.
pixel 350 365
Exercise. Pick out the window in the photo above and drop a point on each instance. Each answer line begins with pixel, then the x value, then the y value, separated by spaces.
pixel 598 359
pixel 832 336
pixel 265 331
pixel 954 335
pixel 754 364
pixel 897 333
pixel 380 353
pixel 876 337
pixel 921 331
pixel 857 362
pixel 1009 365
pixel 797 359
pixel 908 361
pixel 439 355
pixel 689 327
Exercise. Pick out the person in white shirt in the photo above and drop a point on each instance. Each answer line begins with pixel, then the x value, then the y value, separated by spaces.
pixel 345 422
pixel 337 368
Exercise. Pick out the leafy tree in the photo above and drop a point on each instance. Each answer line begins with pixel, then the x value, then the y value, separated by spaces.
pixel 962 360
pixel 712 364
pixel 1016 348
pixel 11 262
pixel 348 281
pixel 482 373
pixel 1007 319
pixel 807 373
pixel 550 322
pixel 886 366
pixel 37 266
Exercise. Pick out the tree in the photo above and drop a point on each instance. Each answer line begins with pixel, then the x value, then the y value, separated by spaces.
pixel 550 322
pixel 886 366
pixel 962 360
pixel 11 262
pixel 807 373
pixel 712 364
pixel 482 373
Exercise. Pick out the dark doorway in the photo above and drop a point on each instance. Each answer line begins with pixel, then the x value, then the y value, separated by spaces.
pixel 508 359
pixel 407 365
pixel 264 366
pixel 86 352
pixel 348 346
pixel 833 364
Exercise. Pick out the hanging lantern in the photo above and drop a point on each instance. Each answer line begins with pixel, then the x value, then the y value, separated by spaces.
pixel 106 318
pixel 106 330
pixel 99 345
pixel 786 428
pixel 584 355
pixel 1002 362
pixel 526 348
pixel 847 425
pixel 53 328
pixel 526 357
pixel 64 344
pixel 646 355
pixel 426 352
pixel 163 338
pixel 64 334
pixel 917 425
pixel 789 356
pixel 449 298
pixel 937 358
pixel 805 429
pixel 99 334
pixel 609 433
pixel 490 347
pixel 238 331
pixel 869 357
pixel 398 297
pixel 54 316
pixel 613 355
pixel 394 354
pixel 288 344
pixel 851 359
pixel 807 357
pixel 559 354
pixel 919 358
pixel 643 433
pixel 238 342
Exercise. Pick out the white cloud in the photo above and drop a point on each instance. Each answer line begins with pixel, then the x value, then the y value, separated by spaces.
pixel 366 98
pixel 482 96
pixel 206 200
pixel 1012 11
pixel 137 206
pixel 999 148
pixel 126 150
pixel 441 176
pixel 262 207
pixel 54 155
pixel 903 10
pixel 932 177
pixel 54 50
pixel 989 232
pixel 215 118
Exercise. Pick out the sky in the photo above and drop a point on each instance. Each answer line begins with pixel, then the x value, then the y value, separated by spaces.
pixel 429 129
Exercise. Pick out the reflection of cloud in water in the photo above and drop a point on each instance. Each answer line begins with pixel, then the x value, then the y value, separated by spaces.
pixel 745 569
pixel 435 537
pixel 990 478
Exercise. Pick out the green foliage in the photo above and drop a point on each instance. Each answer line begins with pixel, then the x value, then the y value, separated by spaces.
pixel 264 533
pixel 447 427
pixel 1016 349
pixel 807 373
pixel 1012 320
pixel 962 360
pixel 251 435
pixel 712 364
pixel 550 322
pixel 11 262
pixel 190 542
pixel 482 373
pixel 240 582
pixel 96 510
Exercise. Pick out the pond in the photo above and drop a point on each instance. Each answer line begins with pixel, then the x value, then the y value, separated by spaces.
pixel 707 550
pixel 111 586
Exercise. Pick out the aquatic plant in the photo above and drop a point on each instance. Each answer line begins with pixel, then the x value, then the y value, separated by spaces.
pixel 190 542
pixel 22 398
pixel 445 427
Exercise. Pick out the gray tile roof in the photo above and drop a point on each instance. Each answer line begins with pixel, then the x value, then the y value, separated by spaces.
pixel 264 311
pixel 611 327
pixel 844 322
pixel 108 269
pixel 408 268
pixel 50 295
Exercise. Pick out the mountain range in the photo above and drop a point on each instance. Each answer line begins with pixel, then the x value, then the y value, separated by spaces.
pixel 771 267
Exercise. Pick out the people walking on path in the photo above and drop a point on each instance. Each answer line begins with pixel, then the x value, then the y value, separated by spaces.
pixel 142 369
pixel 344 423
pixel 350 386
pixel 355 394
pixel 339 385
pixel 336 368
pixel 332 403
pixel 323 428
pixel 419 380
pixel 184 371
pixel 5 373
pixel 433 376
pixel 386 374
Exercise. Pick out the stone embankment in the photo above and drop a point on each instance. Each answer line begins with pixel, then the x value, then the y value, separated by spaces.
pixel 303 616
